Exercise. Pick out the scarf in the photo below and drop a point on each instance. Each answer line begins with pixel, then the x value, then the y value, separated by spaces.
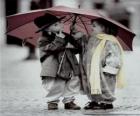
pixel 94 77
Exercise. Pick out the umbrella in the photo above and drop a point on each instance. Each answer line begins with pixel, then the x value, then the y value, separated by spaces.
pixel 22 25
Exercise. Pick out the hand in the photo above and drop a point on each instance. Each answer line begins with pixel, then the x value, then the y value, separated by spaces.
pixel 113 61
pixel 78 35
pixel 108 74
pixel 60 34
pixel 73 28
pixel 69 45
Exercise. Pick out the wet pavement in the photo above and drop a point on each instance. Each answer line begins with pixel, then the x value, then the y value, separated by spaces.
pixel 21 93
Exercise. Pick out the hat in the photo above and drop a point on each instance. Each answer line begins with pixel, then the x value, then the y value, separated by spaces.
pixel 45 21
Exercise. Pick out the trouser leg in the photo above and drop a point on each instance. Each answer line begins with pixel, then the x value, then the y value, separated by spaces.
pixel 72 88
pixel 108 88
pixel 54 88
pixel 108 84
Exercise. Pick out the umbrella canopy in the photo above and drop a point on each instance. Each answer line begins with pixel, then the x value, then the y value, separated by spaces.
pixel 22 25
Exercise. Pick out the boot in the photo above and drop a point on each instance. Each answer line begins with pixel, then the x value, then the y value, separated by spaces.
pixel 52 106
pixel 92 105
pixel 106 106
pixel 71 106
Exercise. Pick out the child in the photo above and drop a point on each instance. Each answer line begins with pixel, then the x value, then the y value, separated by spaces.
pixel 52 45
pixel 103 65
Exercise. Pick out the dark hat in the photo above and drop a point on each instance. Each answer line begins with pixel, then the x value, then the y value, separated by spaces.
pixel 45 21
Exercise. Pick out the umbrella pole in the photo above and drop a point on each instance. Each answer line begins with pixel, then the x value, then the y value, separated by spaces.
pixel 64 54
pixel 73 23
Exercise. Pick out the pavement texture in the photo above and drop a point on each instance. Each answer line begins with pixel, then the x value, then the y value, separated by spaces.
pixel 21 93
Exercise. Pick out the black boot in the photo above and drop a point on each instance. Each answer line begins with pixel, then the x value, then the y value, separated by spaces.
pixel 71 106
pixel 52 106
pixel 92 105
pixel 106 106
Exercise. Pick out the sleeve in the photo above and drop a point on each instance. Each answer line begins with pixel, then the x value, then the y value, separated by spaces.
pixel 112 58
pixel 80 41
pixel 75 44
pixel 58 44
pixel 42 41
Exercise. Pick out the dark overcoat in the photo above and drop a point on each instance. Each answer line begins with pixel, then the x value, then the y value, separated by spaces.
pixel 51 49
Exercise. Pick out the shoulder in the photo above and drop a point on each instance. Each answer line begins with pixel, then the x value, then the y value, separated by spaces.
pixel 42 38
pixel 112 47
pixel 42 41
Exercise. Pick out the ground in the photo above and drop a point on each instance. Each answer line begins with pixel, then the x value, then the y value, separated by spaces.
pixel 22 94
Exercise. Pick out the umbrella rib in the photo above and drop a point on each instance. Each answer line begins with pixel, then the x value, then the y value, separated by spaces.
pixel 86 17
pixel 62 16
pixel 70 22
pixel 86 22
pixel 79 25
pixel 84 25
pixel 68 19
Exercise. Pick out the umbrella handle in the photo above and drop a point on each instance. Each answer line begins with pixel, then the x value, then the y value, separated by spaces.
pixel 62 59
